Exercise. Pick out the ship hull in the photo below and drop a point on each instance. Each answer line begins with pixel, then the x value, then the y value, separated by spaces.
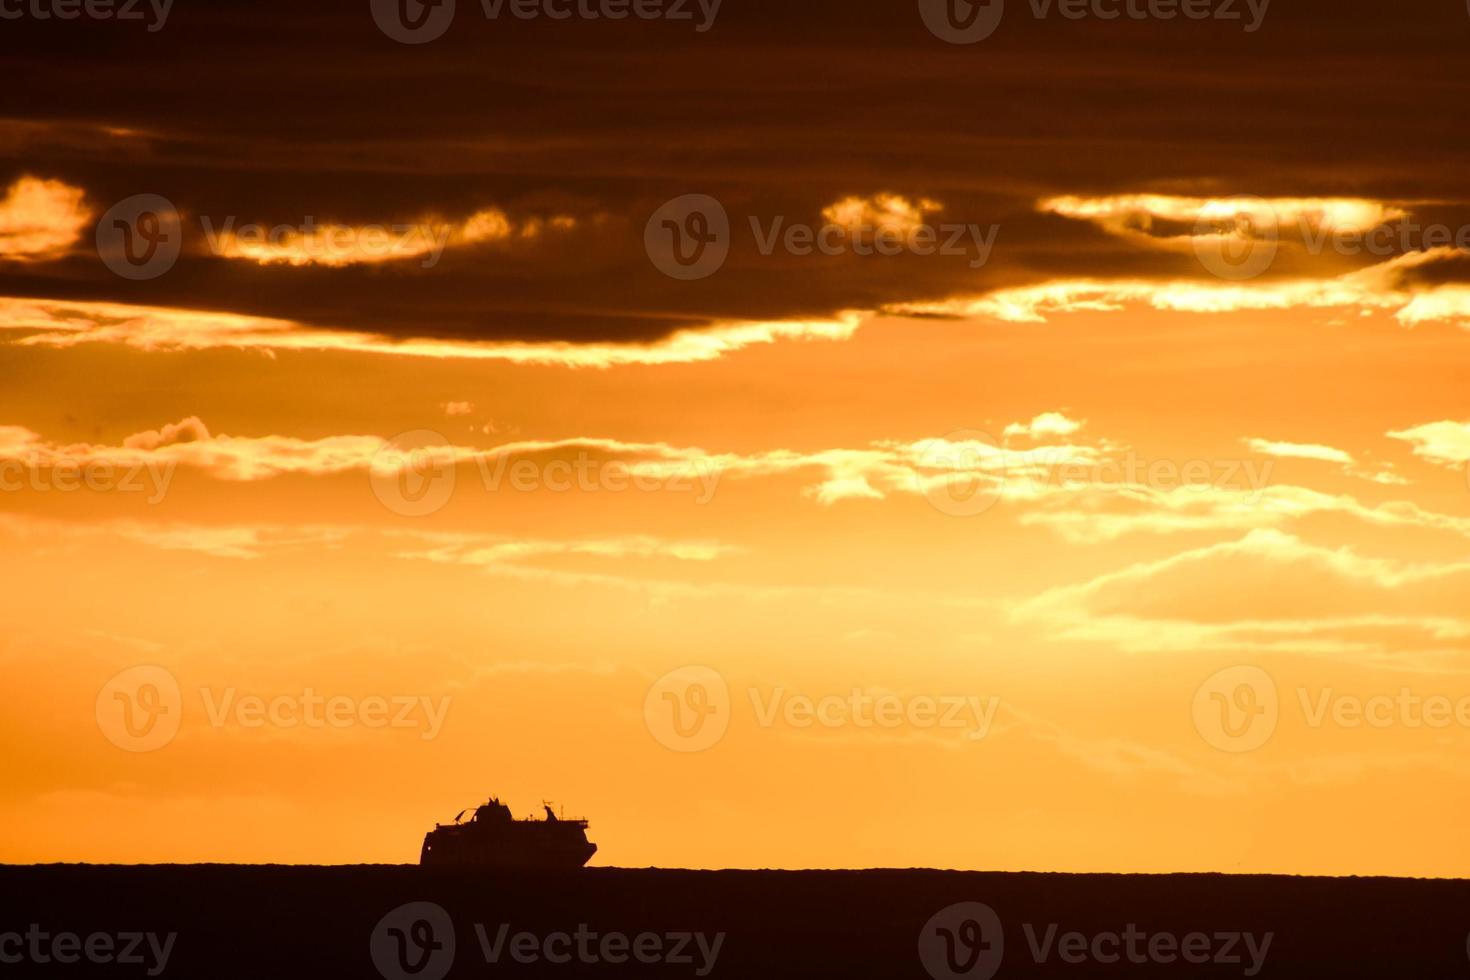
pixel 529 851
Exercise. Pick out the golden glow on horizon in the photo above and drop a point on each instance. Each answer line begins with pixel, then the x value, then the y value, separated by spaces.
pixel 1177 476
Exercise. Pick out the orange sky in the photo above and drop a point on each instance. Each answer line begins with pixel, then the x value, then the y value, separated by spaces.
pixel 1126 527
pixel 542 617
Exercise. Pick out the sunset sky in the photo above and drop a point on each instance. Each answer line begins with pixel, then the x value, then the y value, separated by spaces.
pixel 1184 387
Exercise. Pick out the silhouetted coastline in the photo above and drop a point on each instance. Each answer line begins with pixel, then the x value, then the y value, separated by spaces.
pixel 342 921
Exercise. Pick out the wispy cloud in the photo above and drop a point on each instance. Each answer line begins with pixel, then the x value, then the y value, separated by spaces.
pixel 62 324
pixel 1299 450
pixel 1383 287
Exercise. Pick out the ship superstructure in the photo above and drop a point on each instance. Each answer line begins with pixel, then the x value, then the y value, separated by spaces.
pixel 492 838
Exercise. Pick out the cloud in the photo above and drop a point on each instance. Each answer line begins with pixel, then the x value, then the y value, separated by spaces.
pixel 551 151
pixel 234 541
pixel 62 324
pixel 888 213
pixel 453 409
pixel 254 541
pixel 1446 443
pixel 840 488
pixel 1382 287
pixel 1044 425
pixel 190 443
pixel 1273 575
pixel 1284 595
pixel 872 472
pixel 1299 450
pixel 1177 221
pixel 1093 513
pixel 1085 493
pixel 1451 302
pixel 337 245
pixel 40 219
pixel 1382 475
pixel 489 550
pixel 1119 758
pixel 188 430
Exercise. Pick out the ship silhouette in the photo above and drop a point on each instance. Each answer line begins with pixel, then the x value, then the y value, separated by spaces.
pixel 492 838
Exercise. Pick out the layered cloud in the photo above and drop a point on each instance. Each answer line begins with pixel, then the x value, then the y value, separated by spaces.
pixel 1400 287
pixel 41 220
pixel 1085 491
pixel 1118 190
